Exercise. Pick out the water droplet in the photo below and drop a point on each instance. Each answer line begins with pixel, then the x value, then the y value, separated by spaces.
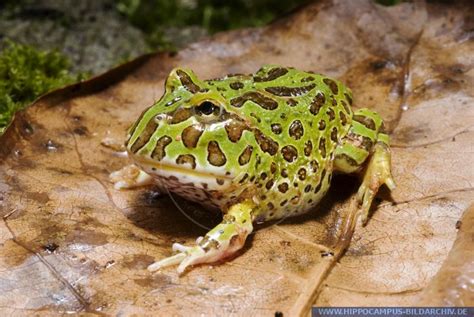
pixel 326 254
pixel 405 107
pixel 27 128
pixel 51 147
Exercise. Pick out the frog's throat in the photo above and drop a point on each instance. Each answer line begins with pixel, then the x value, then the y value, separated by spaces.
pixel 174 169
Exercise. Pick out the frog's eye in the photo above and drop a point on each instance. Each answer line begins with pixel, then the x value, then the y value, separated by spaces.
pixel 207 108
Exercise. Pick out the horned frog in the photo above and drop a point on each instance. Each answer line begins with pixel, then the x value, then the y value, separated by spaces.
pixel 258 147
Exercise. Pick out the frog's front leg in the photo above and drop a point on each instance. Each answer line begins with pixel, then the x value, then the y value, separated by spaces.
pixel 222 241
pixel 366 140
pixel 130 176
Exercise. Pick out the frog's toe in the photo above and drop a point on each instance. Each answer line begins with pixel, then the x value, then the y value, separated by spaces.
pixel 221 242
pixel 130 176
pixel 378 173
pixel 186 257
pixel 365 195
pixel 169 261
pixel 180 247
pixel 390 183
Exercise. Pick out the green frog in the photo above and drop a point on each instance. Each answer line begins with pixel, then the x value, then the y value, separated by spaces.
pixel 257 147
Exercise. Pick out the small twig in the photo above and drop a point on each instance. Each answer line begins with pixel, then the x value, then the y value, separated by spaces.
pixel 306 299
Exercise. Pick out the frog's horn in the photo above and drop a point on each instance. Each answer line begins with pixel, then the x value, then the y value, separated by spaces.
pixel 182 77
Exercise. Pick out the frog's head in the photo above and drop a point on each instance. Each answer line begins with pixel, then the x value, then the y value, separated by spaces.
pixel 192 136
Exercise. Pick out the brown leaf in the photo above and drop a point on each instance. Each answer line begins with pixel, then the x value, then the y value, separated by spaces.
pixel 70 242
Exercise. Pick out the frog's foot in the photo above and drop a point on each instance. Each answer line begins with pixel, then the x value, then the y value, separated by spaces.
pixel 130 176
pixel 219 243
pixel 378 173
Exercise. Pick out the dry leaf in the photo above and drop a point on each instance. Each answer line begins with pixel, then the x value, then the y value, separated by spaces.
pixel 70 242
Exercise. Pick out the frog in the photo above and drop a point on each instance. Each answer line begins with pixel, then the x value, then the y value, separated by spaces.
pixel 258 147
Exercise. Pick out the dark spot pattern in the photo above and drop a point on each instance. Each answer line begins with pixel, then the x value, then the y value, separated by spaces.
pixel 273 167
pixel 294 200
pixel 333 101
pixel 308 148
pixel 334 134
pixel 283 187
pixel 314 166
pixel 318 188
pixel 302 174
pixel 266 144
pixel 343 118
pixel 215 155
pixel 307 79
pixel 269 184
pixel 271 206
pixel 284 173
pixel 322 147
pixel 276 128
pixel 244 158
pixel 227 218
pixel 208 244
pixel 284 91
pixel 331 114
pixel 263 176
pixel 191 135
pixel 290 153
pixel 234 129
pixel 346 106
pixel 347 158
pixel 318 101
pixel 308 188
pixel 187 82
pixel 367 143
pixel 283 203
pixel 291 102
pixel 159 151
pixel 144 136
pixel 296 130
pixel 237 85
pixel 180 115
pixel 321 125
pixel 272 74
pixel 332 85
pixel 368 122
pixel 244 178
pixel 253 114
pixel 264 102
pixel 186 159
pixel 348 98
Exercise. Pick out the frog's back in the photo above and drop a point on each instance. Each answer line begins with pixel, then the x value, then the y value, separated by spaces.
pixel 298 118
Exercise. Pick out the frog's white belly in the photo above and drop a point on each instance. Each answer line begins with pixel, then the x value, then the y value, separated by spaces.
pixel 199 186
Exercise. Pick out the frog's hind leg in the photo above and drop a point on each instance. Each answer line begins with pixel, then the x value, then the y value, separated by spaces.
pixel 224 240
pixel 366 139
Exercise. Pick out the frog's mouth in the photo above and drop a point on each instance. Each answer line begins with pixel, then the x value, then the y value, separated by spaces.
pixel 165 171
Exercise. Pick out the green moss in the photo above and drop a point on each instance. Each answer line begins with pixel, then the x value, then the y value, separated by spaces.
pixel 155 16
pixel 388 2
pixel 27 73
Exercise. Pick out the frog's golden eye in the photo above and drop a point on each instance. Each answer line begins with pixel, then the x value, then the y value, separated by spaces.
pixel 207 108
